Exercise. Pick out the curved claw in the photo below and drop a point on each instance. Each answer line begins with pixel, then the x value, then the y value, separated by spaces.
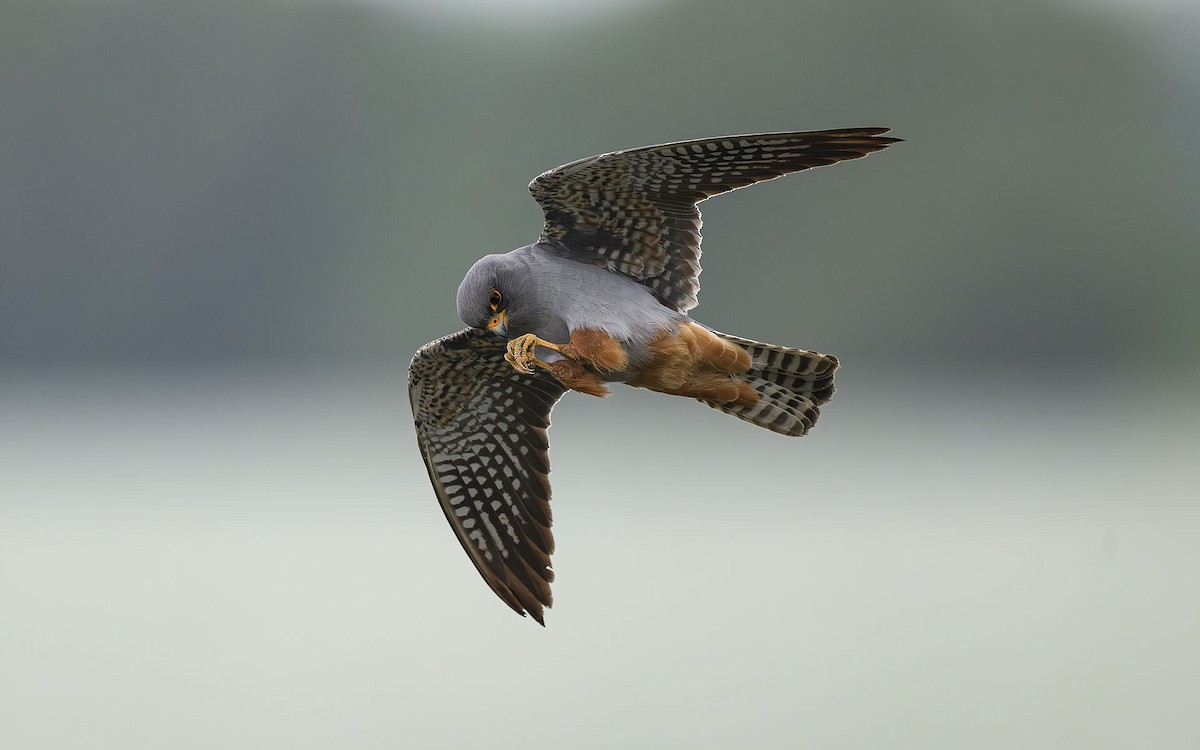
pixel 509 358
pixel 521 353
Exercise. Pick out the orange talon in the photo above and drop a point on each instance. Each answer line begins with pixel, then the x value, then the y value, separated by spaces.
pixel 522 353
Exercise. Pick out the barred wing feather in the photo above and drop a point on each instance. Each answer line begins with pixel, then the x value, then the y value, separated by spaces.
pixel 481 427
pixel 635 211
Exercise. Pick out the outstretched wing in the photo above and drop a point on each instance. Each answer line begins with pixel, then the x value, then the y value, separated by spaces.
pixel 635 211
pixel 481 428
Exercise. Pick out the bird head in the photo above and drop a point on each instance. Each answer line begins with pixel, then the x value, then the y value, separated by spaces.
pixel 483 296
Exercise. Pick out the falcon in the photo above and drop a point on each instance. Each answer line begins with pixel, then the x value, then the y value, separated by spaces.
pixel 602 297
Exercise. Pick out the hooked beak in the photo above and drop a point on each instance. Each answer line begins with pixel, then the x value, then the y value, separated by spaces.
pixel 499 323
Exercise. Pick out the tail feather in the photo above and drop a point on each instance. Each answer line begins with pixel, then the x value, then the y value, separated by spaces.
pixel 792 385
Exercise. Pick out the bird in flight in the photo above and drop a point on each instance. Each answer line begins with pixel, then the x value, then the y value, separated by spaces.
pixel 602 297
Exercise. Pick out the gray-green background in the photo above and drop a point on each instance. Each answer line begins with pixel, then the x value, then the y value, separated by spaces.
pixel 225 227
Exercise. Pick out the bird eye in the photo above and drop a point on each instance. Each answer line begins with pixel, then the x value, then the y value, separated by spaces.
pixel 494 299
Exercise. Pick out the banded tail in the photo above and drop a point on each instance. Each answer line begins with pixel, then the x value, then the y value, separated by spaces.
pixel 792 385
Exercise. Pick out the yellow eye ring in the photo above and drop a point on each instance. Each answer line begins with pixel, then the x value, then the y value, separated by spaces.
pixel 494 299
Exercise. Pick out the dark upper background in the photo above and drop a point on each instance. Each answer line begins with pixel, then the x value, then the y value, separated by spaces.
pixel 294 183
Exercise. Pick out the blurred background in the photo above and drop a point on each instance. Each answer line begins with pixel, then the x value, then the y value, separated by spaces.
pixel 226 226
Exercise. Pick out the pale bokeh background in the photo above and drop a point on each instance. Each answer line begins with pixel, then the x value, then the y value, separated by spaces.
pixel 225 227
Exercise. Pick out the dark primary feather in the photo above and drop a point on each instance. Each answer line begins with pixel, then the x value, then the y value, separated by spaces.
pixel 634 211
pixel 481 428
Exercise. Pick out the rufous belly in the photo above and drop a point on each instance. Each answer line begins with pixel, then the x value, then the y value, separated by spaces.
pixel 688 360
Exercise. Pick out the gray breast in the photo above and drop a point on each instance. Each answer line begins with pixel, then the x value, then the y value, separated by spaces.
pixel 581 295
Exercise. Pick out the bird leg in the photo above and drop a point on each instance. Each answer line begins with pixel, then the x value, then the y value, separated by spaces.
pixel 522 353
pixel 576 376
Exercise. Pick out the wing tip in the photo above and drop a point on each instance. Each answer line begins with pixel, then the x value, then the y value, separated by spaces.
pixel 536 611
pixel 864 140
pixel 524 594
